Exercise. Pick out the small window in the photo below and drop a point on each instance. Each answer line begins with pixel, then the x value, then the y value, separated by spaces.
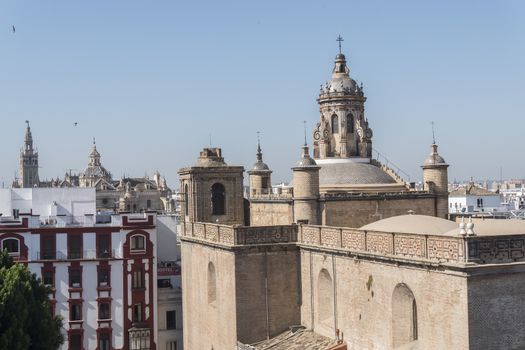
pixel 186 203
pixel 164 283
pixel 138 280
pixel 137 242
pixel 171 319
pixel 75 342
pixel 350 123
pixel 218 197
pixel 103 246
pixel 75 312
pixel 103 277
pixel 12 245
pixel 103 342
pixel 137 312
pixel 103 311
pixel 148 204
pixel 335 124
pixel 74 246
pixel 47 244
pixel 75 278
pixel 171 345
pixel 48 278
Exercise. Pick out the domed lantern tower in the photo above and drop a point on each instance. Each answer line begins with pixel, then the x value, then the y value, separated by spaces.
pixel 260 175
pixel 342 131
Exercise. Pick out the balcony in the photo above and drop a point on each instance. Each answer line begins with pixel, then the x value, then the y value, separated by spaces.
pixel 89 254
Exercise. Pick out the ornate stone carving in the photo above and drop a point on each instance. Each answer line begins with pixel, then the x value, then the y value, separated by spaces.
pixel 310 235
pixel 497 250
pixel 226 235
pixel 379 242
pixel 409 245
pixel 445 249
pixel 198 230
pixel 330 237
pixel 353 240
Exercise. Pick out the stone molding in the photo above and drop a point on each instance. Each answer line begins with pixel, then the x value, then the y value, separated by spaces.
pixel 411 246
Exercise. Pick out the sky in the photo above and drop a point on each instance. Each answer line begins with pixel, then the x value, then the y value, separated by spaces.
pixel 155 81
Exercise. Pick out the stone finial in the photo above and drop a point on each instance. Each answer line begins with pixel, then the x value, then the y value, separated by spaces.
pixel 470 227
pixel 462 225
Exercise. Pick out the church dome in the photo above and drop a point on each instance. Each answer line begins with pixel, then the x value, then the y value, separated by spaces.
pixel 434 158
pixel 351 172
pixel 260 166
pixel 97 171
pixel 341 81
pixel 305 161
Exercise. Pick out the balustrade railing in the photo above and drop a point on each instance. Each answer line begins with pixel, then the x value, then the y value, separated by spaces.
pixel 88 254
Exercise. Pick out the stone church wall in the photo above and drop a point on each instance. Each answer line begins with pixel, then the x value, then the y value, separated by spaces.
pixel 359 212
pixel 207 324
pixel 363 308
pixel 267 290
pixel 496 304
pixel 271 213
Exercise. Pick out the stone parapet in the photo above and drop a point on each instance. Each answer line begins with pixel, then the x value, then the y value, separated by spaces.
pixel 402 245
pixel 406 246
pixel 239 235
pixel 284 197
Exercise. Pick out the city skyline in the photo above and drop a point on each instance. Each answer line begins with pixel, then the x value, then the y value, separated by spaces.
pixel 153 84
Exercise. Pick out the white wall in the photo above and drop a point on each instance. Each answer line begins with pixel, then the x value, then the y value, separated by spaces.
pixel 167 238
pixel 69 201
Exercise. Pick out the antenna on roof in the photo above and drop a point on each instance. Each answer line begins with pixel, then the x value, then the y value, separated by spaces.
pixel 433 134
pixel 210 140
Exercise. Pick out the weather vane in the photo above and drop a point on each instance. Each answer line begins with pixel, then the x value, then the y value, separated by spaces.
pixel 340 38
pixel 304 123
pixel 433 135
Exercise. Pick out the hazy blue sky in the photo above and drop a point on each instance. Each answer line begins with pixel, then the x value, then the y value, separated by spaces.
pixel 151 80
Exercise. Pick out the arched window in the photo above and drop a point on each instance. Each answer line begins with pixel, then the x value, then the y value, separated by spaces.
pixel 404 316
pixel 138 243
pixel 212 283
pixel 12 245
pixel 325 298
pixel 349 123
pixel 335 124
pixel 186 204
pixel 218 199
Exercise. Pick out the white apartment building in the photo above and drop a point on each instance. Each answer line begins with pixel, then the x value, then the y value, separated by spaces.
pixel 102 270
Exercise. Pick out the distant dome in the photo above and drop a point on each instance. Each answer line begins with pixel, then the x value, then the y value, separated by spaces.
pixel 434 158
pixel 347 172
pixel 258 166
pixel 422 224
pixel 305 161
pixel 96 171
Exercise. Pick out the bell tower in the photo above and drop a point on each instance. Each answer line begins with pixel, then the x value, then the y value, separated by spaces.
pixel 212 191
pixel 343 130
pixel 28 162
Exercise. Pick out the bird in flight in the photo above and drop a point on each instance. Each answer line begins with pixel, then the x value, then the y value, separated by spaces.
pixel 75 124
pixel 13 29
